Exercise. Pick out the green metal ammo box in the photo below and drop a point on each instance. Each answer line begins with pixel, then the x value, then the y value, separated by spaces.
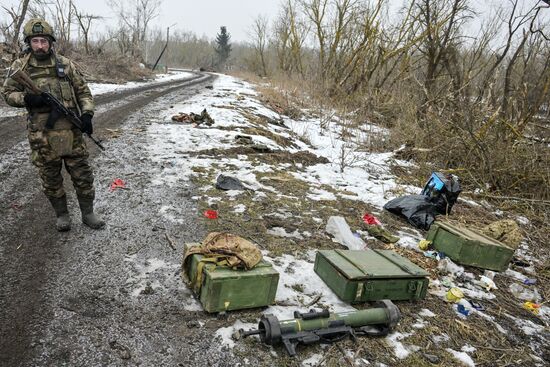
pixel 371 275
pixel 468 247
pixel 224 289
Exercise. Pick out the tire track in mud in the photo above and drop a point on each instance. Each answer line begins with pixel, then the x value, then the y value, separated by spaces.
pixel 31 251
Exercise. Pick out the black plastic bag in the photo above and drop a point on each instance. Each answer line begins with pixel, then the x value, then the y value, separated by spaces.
pixel 224 182
pixel 418 209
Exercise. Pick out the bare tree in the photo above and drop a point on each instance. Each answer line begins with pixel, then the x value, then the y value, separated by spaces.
pixel 12 29
pixel 259 41
pixel 85 22
pixel 135 17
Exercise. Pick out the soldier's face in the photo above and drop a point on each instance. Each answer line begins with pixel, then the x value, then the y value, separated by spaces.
pixel 40 45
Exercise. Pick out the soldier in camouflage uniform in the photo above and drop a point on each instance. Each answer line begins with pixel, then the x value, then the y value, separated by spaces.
pixel 63 143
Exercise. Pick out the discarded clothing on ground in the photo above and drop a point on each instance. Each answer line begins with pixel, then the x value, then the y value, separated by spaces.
pixel 229 249
pixel 506 231
pixel 193 118
pixel 375 229
pixel 381 234
pixel 224 182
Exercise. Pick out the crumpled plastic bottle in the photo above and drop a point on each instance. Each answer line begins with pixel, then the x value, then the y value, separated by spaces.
pixel 523 293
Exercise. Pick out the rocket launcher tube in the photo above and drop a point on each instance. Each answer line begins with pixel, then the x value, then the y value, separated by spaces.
pixel 322 327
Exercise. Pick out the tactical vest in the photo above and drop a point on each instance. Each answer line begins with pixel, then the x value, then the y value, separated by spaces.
pixel 50 76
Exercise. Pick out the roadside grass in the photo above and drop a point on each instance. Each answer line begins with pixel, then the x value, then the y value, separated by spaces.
pixel 281 219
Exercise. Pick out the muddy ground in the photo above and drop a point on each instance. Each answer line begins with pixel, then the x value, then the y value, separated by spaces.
pixel 84 298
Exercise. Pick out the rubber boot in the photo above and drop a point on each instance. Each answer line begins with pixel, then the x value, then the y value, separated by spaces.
pixel 63 223
pixel 88 216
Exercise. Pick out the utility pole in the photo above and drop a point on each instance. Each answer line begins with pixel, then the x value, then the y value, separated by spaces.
pixel 164 49
pixel 168 40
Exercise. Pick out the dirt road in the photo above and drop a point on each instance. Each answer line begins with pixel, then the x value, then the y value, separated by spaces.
pixel 109 297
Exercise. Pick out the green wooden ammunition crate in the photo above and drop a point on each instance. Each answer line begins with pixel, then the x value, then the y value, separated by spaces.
pixel 371 275
pixel 468 247
pixel 224 289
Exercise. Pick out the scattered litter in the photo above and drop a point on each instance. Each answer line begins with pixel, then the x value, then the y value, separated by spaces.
pixel 418 210
pixel 477 305
pixel 530 281
pixel 438 197
pixel 487 283
pixel 447 283
pixel 523 293
pixel 520 262
pixel 371 220
pixel 117 184
pixel 211 214
pixel 462 309
pixel 446 265
pixel 424 245
pixel 197 119
pixel 533 307
pixel 382 234
pixel 442 190
pixel 454 295
pixel 224 182
pixel 339 228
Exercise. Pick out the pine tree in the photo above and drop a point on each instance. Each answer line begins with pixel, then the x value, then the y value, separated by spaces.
pixel 223 47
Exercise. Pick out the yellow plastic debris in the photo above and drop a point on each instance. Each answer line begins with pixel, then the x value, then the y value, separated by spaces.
pixel 424 245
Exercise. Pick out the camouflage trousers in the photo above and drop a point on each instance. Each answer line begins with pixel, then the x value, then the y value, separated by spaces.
pixel 53 148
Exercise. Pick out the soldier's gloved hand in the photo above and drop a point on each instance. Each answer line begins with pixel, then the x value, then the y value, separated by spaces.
pixel 87 126
pixel 34 100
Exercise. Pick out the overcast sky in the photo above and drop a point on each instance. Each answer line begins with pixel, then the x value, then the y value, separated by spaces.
pixel 204 17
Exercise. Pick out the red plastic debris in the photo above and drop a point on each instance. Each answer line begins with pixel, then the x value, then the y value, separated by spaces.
pixel 211 214
pixel 117 184
pixel 371 220
pixel 16 206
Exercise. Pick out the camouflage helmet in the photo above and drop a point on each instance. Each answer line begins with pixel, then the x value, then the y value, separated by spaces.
pixel 37 27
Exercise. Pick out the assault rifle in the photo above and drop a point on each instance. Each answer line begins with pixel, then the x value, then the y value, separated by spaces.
pixel 324 327
pixel 58 109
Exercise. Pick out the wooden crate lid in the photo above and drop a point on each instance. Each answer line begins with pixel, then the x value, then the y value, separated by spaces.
pixel 372 264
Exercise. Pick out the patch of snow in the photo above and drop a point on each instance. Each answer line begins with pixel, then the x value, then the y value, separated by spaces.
pixel 240 208
pixel 401 350
pixel 523 220
pixel 463 357
pixel 294 272
pixel 102 88
pixel 319 194
pixel 281 232
pixel 225 334
pixel 313 360
pixel 468 348
pixel 440 338
pixel 426 313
